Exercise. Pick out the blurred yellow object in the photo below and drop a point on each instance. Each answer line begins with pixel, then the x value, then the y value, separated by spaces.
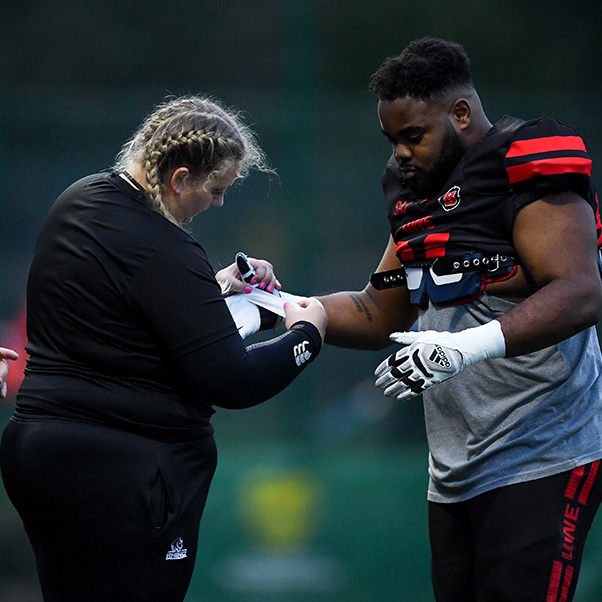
pixel 281 509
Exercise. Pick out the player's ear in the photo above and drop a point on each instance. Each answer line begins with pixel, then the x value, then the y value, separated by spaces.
pixel 461 113
pixel 178 179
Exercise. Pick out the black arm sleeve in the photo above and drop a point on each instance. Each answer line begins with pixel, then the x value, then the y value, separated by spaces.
pixel 236 377
pixel 181 305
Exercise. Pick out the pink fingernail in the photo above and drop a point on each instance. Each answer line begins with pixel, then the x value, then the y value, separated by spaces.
pixel 253 281
pixel 248 289
pixel 262 285
pixel 270 288
pixel 285 304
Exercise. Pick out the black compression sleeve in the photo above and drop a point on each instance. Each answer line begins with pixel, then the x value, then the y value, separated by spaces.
pixel 232 376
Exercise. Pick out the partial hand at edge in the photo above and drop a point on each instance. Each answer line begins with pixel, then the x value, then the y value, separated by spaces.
pixel 5 354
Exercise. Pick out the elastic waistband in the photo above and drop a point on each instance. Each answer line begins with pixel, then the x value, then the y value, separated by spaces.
pixel 24 413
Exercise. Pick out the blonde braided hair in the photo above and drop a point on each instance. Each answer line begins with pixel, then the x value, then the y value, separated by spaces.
pixel 195 132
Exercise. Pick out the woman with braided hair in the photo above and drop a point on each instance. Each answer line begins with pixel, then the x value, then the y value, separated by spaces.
pixel 110 452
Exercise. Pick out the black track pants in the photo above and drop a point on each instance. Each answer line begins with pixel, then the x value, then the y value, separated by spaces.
pixel 521 543
pixel 112 516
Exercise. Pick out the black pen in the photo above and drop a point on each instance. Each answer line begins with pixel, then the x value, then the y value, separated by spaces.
pixel 247 271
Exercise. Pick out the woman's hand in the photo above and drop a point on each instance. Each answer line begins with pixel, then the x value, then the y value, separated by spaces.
pixel 307 310
pixel 231 281
pixel 5 354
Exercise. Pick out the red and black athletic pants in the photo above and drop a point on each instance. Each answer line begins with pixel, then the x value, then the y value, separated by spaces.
pixel 520 543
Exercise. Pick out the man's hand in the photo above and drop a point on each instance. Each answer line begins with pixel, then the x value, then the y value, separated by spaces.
pixel 420 364
pixel 429 358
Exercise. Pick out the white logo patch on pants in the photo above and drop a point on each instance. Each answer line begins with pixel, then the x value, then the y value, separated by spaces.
pixel 178 551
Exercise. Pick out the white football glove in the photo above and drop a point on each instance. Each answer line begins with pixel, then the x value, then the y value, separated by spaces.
pixel 245 314
pixel 258 310
pixel 428 358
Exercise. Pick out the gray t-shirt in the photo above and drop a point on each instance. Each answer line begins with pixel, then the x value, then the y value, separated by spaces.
pixel 509 420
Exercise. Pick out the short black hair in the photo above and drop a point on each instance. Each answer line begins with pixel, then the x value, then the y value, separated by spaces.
pixel 426 69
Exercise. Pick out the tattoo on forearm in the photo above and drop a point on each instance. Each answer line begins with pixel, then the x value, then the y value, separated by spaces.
pixel 361 307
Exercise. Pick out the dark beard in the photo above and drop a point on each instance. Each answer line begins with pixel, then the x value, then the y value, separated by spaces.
pixel 429 183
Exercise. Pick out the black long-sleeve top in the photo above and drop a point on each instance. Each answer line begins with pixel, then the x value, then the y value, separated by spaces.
pixel 127 325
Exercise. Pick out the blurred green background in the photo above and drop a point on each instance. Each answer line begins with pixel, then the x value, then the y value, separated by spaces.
pixel 319 493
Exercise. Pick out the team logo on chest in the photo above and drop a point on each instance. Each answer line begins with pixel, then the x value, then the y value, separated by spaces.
pixel 451 199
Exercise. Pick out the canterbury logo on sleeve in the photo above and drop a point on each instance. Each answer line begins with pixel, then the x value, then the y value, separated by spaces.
pixel 301 354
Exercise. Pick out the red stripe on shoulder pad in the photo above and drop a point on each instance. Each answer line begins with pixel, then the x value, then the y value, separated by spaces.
pixel 549 144
pixel 549 167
